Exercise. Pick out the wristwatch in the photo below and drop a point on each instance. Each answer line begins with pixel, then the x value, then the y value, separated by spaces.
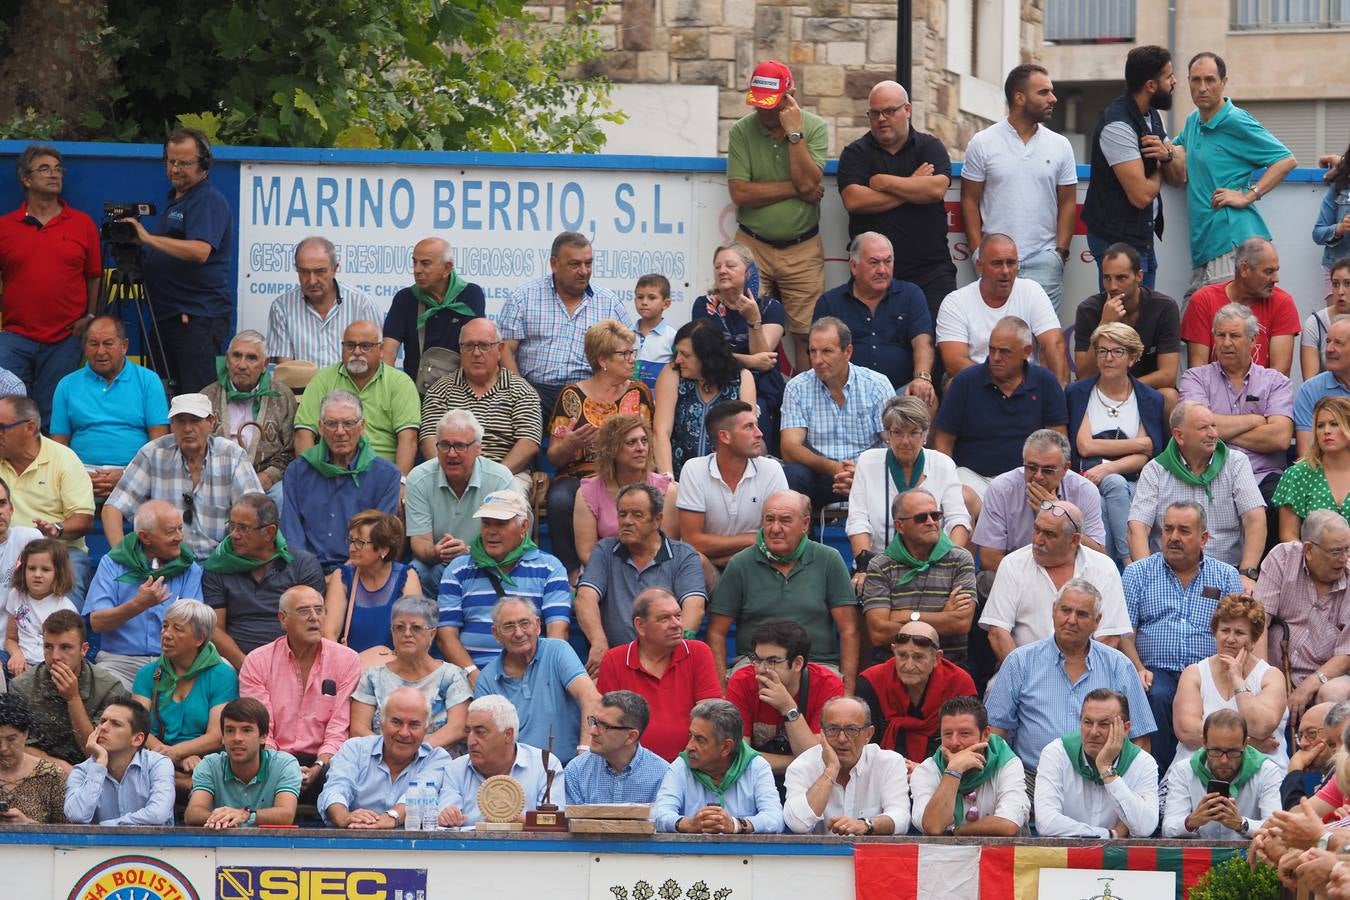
pixel 1171 155
pixel 393 814
pixel 792 715
pixel 794 137
pixel 1250 572
pixel 871 829
pixel 1110 772
pixel 1321 676
pixel 252 818
pixel 915 616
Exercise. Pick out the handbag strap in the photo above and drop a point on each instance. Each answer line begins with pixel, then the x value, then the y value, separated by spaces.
pixel 351 607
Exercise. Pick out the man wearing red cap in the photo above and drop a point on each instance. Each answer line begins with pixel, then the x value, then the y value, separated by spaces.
pixel 775 160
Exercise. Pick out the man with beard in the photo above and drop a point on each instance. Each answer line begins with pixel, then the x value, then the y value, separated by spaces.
pixel 1131 158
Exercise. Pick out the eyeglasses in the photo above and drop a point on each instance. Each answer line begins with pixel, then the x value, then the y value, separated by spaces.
pixel 920 518
pixel 309 612
pixel 241 527
pixel 478 346
pixel 48 170
pixel 593 722
pixel 358 543
pixel 6 426
pixel 1060 512
pixel 189 508
pixel 1333 552
pixel 409 629
pixel 1309 735
pixel 625 354
pixel 884 113
pixel 518 625
pixel 1222 753
pixel 457 446
pixel 181 163
pixel 360 346
pixel 918 640
pixel 1112 353
pixel 913 434
pixel 853 731
pixel 1047 471
pixel 341 424
pixel 757 660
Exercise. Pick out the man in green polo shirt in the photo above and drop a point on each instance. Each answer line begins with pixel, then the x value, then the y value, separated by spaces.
pixel 393 410
pixel 245 784
pixel 786 575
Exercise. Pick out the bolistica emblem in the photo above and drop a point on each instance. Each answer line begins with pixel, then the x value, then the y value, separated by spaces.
pixel 133 878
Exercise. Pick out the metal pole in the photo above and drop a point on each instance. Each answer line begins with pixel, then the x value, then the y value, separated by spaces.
pixel 904 43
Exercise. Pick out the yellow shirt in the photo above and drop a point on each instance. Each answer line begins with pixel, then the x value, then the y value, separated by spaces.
pixel 54 486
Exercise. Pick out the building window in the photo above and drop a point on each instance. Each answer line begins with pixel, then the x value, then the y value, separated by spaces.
pixel 1308 128
pixel 1254 15
pixel 1090 21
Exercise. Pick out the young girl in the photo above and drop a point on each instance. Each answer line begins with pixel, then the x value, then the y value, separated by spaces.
pixel 38 588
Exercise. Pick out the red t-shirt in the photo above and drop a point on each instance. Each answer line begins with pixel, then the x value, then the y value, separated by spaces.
pixel 45 271
pixel 690 677
pixel 1278 315
pixel 762 722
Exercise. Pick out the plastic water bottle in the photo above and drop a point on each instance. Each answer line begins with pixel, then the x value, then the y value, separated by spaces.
pixel 431 802
pixel 412 807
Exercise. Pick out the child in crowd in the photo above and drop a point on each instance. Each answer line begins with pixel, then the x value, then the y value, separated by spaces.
pixel 656 337
pixel 38 588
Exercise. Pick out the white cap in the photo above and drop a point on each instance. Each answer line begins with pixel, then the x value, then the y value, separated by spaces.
pixel 198 405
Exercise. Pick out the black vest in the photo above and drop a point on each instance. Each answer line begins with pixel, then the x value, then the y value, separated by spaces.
pixel 1107 211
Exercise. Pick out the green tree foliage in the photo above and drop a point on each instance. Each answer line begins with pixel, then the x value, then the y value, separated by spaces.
pixel 406 74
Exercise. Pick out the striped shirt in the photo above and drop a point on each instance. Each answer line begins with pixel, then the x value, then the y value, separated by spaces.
pixel 296 331
pixel 508 412
pixel 1233 492
pixel 1171 623
pixel 551 339
pixel 159 472
pixel 591 780
pixel 926 592
pixel 834 431
pixel 466 598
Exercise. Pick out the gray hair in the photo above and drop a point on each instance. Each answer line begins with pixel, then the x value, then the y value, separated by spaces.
pixel 1202 518
pixel 319 241
pixel 194 613
pixel 855 246
pixel 416 605
pixel 642 603
pixel 342 398
pixel 461 419
pixel 1082 586
pixel 263 506
pixel 447 253
pixel 861 704
pixel 803 501
pixel 1250 326
pixel 1337 714
pixel 633 708
pixel 1018 326
pixel 898 503
pixel 723 716
pixel 840 329
pixel 1250 250
pixel 1044 439
pixel 508 599
pixel 147 515
pixel 249 336
pixel 1316 523
pixel 32 152
pixel 503 713
pixel 1178 417
pixel 25 408
pixel 568 239
pixel 906 410
pixel 657 499
pixel 389 698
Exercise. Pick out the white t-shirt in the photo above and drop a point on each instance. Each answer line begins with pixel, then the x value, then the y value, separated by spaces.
pixel 1126 417
pixel 1022 598
pixel 1021 183
pixel 726 512
pixel 1004 795
pixel 29 614
pixel 19 537
pixel 965 318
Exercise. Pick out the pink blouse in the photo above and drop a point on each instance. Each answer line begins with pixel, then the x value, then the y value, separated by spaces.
pixel 601 504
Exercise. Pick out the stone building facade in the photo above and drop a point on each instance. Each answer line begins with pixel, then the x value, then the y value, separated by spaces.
pixel 837 50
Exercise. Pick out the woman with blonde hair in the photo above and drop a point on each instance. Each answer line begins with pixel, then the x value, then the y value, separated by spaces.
pixel 623 456
pixel 1320 480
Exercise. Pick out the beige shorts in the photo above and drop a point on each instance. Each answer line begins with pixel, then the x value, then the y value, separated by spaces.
pixel 1218 269
pixel 795 276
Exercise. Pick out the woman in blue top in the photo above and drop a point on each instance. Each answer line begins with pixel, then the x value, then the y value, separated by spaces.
pixel 752 324
pixel 1115 428
pixel 1333 218
pixel 185 689
pixel 703 373
pixel 362 591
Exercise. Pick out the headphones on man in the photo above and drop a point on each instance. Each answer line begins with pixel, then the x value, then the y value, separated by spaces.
pixel 197 137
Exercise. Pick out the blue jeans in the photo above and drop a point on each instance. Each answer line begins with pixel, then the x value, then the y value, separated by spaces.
pixel 430 576
pixel 1046 269
pixel 1160 697
pixel 1148 260
pixel 1117 491
pixel 40 366
pixel 84 570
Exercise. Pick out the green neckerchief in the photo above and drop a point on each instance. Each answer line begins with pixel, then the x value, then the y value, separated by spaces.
pixel 130 555
pixel 166 679
pixel 774 557
pixel 1171 460
pixel 483 561
pixel 898 474
pixel 1073 745
pixel 317 456
pixel 1252 759
pixel 897 551
pixel 225 561
pixel 452 290
pixel 745 754
pixel 996 755
pixel 262 389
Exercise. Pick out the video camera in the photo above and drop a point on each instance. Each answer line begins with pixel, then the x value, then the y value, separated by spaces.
pixel 120 237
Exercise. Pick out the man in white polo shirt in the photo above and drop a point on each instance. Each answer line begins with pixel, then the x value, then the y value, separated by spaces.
pixel 722 494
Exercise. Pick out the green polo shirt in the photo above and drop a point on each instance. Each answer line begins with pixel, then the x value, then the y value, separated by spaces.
pixel 753 154
pixel 278 774
pixel 433 508
pixel 389 402
pixel 752 592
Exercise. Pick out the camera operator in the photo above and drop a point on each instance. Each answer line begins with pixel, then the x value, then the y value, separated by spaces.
pixel 51 266
pixel 187 264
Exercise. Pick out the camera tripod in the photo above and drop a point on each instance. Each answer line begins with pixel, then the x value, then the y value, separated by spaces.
pixel 125 284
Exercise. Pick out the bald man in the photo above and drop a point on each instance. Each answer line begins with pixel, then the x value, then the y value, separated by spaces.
pixel 892 181
pixel 307 321
pixel 430 312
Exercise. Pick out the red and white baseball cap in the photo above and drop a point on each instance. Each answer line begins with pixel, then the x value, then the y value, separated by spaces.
pixel 769 82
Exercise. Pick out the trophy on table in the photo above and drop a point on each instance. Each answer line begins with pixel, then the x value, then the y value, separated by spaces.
pixel 548 817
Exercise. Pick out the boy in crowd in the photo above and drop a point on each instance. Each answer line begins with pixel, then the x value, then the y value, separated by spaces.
pixel 651 299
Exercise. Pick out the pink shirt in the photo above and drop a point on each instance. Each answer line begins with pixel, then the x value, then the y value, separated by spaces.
pixel 601 504
pixel 305 718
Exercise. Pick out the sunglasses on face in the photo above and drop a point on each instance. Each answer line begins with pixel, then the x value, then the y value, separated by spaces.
pixel 921 518
pixel 917 640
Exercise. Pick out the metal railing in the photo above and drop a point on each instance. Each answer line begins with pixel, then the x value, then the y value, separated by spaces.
pixel 1093 21
pixel 1262 15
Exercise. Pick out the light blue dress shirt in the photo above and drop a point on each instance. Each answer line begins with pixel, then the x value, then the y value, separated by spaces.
pixel 541 697
pixel 460 781
pixel 139 635
pixel 752 797
pixel 358 776
pixel 591 780
pixel 144 796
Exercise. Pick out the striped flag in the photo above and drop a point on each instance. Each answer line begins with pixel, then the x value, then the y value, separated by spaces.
pixel 1008 872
